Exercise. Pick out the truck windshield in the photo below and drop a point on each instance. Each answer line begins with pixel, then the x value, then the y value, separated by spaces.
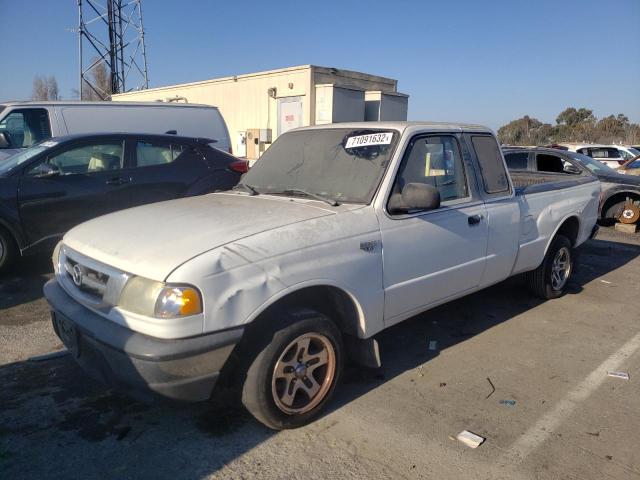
pixel 339 164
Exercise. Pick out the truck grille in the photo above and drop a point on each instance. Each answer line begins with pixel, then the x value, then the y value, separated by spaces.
pixel 91 283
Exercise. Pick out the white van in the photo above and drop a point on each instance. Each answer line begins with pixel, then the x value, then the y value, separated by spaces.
pixel 24 123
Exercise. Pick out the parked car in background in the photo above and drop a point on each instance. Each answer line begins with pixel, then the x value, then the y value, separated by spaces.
pixel 630 167
pixel 611 155
pixel 620 198
pixel 23 124
pixel 47 189
pixel 339 232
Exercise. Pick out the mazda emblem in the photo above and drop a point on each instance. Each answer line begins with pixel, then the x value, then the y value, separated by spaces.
pixel 77 275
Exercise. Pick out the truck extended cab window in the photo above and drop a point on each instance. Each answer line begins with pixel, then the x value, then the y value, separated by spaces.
pixel 494 175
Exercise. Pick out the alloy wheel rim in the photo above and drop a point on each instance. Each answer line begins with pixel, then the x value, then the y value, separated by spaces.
pixel 303 374
pixel 560 268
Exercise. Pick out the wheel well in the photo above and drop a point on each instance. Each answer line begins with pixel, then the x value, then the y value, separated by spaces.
pixel 12 237
pixel 331 301
pixel 615 199
pixel 570 229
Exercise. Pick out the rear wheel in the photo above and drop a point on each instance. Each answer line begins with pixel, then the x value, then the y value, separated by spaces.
pixel 8 250
pixel 551 277
pixel 292 377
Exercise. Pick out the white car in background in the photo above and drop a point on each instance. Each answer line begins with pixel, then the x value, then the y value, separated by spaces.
pixel 611 155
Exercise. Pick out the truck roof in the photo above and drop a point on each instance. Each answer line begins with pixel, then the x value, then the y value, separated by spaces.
pixel 59 103
pixel 401 126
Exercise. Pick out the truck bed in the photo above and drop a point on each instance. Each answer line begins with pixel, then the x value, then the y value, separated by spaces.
pixel 536 182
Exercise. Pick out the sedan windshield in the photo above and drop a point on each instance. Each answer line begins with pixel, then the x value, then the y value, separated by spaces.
pixel 333 164
pixel 14 160
pixel 593 165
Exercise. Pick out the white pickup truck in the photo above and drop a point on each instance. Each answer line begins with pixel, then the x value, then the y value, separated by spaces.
pixel 336 233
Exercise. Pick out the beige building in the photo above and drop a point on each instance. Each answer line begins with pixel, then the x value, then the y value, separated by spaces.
pixel 260 106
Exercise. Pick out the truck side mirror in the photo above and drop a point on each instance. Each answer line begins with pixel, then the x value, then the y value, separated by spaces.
pixel 5 140
pixel 414 196
pixel 570 168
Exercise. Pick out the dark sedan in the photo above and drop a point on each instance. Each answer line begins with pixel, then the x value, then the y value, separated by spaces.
pixel 620 199
pixel 59 183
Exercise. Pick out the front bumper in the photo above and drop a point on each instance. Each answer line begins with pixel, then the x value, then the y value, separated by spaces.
pixel 183 369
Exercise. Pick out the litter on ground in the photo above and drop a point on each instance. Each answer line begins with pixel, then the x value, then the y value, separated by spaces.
pixel 470 439
pixel 622 375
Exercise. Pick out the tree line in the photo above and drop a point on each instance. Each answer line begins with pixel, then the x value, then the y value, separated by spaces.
pixel 96 89
pixel 572 125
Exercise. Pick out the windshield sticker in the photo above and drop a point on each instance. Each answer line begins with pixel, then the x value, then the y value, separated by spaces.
pixel 48 144
pixel 370 139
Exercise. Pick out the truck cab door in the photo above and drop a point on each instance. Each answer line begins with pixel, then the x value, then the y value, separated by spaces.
pixel 72 185
pixel 431 256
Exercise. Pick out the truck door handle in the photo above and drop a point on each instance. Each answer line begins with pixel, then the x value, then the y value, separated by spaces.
pixel 117 181
pixel 474 219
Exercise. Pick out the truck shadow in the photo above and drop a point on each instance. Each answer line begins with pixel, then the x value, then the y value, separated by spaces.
pixel 23 282
pixel 51 408
pixel 405 346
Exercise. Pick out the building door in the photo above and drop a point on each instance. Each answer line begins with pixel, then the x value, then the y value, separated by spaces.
pixel 241 144
pixel 289 114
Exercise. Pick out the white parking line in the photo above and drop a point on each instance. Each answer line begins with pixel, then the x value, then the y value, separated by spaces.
pixel 546 425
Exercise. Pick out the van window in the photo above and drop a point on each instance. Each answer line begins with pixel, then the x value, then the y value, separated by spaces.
pixel 494 174
pixel 26 126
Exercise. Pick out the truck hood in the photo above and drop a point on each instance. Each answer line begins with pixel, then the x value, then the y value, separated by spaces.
pixel 620 179
pixel 153 240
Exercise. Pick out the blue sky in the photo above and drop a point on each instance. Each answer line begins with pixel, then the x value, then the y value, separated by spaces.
pixel 474 61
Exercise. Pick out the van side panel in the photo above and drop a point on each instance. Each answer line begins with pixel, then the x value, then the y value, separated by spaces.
pixel 187 121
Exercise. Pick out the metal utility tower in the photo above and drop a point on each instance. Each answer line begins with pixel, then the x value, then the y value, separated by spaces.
pixel 111 32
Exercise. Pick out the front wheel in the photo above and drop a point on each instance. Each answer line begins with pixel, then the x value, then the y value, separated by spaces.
pixel 293 376
pixel 8 250
pixel 551 277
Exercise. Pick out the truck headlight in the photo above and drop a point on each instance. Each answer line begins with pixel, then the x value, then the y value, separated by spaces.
pixel 178 302
pixel 156 299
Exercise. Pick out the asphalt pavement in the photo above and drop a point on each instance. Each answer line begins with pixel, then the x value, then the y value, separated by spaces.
pixel 528 376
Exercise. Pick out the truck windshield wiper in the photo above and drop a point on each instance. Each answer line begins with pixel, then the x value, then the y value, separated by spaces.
pixel 252 190
pixel 297 191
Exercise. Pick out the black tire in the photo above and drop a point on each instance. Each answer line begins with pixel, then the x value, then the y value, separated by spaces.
pixel 540 280
pixel 259 390
pixel 8 250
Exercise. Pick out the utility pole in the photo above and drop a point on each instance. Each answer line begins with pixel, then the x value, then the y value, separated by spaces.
pixel 111 35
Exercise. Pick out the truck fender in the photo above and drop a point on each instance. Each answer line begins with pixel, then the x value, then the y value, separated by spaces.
pixel 557 229
pixel 320 282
